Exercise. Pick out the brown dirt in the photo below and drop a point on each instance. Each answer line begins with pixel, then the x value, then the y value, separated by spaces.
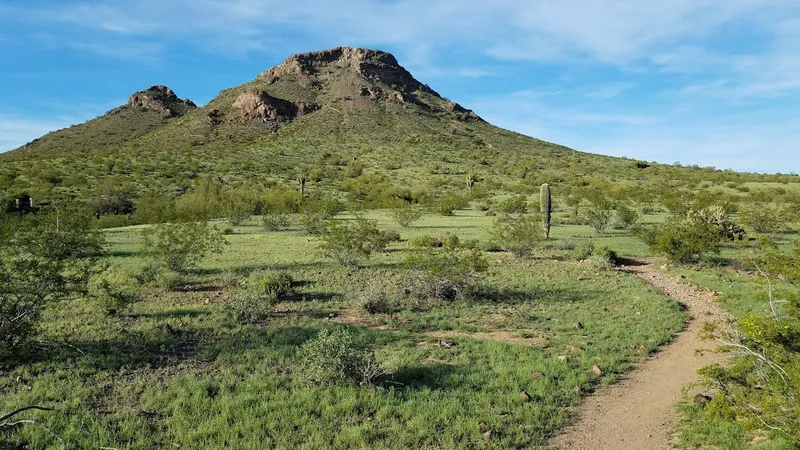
pixel 639 411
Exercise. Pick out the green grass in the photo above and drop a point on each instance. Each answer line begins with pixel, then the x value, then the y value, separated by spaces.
pixel 178 370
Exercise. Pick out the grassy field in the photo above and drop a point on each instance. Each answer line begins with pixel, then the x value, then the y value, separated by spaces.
pixel 178 370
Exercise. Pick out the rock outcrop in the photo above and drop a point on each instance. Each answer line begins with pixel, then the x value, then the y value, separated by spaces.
pixel 163 100
pixel 259 106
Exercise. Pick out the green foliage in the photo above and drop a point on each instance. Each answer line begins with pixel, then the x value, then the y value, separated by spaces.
pixel 406 215
pixel 249 305
pixel 334 357
pixel 760 388
pixel 43 259
pixel 517 204
pixel 112 196
pixel 181 246
pixel 717 217
pixel 683 242
pixel 375 299
pixel 449 204
pixel 350 242
pixel 275 285
pixel 603 258
pixel 444 274
pixel 519 235
pixel 584 250
pixel 115 289
pixel 316 212
pixel 154 208
pixel 626 216
pixel 599 215
pixel 763 218
pixel 275 221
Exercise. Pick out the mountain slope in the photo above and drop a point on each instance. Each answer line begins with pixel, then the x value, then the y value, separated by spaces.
pixel 335 114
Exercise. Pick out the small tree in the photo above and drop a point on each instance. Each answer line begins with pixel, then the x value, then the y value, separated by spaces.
pixel 599 215
pixel 519 235
pixel 763 218
pixel 43 259
pixel 406 215
pixel 115 289
pixel 626 217
pixel 351 242
pixel 180 246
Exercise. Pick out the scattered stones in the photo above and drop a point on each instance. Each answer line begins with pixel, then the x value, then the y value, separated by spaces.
pixel 597 370
pixel 577 326
pixel 446 344
pixel 577 389
pixel 537 374
pixel 525 396
pixel 574 348
pixel 484 427
pixel 488 434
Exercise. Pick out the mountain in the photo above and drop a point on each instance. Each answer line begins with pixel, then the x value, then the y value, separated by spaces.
pixel 337 114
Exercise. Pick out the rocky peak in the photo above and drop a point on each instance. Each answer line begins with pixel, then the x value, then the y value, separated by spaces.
pixel 259 106
pixel 374 65
pixel 163 100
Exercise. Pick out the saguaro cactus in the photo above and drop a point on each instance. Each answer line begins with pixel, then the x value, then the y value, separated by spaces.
pixel 301 180
pixel 547 208
pixel 470 182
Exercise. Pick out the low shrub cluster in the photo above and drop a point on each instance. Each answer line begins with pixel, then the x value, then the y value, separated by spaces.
pixel 334 357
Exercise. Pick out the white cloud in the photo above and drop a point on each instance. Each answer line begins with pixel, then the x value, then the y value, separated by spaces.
pixel 16 131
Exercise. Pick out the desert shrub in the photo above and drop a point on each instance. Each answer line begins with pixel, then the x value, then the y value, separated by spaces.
pixel 405 216
pixel 425 241
pixel 599 215
pixel 333 357
pixel 250 305
pixel 350 242
pixel 375 299
pixel 718 217
pixel 759 388
pixel 316 212
pixel 281 200
pixel 517 204
pixel 169 280
pixel 276 221
pixel 180 246
pixel 626 217
pixel 762 218
pixel 231 279
pixel 449 204
pixel 277 285
pixel 519 235
pixel 112 196
pixel 147 274
pixel 603 258
pixel 237 216
pixel 115 290
pixel 584 250
pixel 567 245
pixel 153 208
pixel 112 221
pixel 43 259
pixel 444 274
pixel 684 242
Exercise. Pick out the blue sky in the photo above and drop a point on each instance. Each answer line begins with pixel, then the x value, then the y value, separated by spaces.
pixel 707 82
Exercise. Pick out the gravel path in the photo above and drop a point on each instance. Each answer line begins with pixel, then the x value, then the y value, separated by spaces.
pixel 638 413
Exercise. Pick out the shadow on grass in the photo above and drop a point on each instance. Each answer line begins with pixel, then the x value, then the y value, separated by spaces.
pixel 174 313
pixel 511 296
pixel 434 376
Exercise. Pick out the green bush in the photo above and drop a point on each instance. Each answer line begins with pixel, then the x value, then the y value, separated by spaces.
pixel 626 217
pixel 405 216
pixel 180 246
pixel 334 358
pixel 115 290
pixel 250 305
pixel 169 280
pixel 444 274
pixel 112 221
pixel 519 235
pixel 584 250
pixel 599 215
pixel 350 242
pixel 375 300
pixel 514 205
pixel 276 285
pixel 316 212
pixel 276 221
pixel 449 204
pixel 763 218
pixel 603 258
pixel 425 241
pixel 686 242
pixel 44 258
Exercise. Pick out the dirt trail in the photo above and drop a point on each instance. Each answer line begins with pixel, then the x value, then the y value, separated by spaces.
pixel 639 411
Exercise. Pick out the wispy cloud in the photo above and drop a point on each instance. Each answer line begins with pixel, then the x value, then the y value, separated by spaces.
pixel 17 131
